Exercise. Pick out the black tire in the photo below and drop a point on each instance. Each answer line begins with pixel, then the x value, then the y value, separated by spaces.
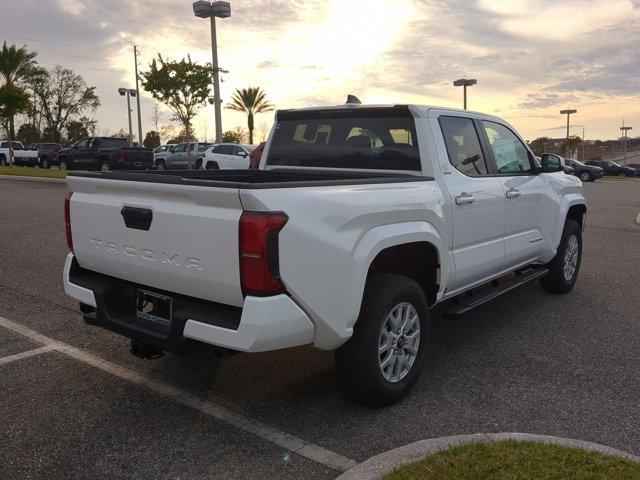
pixel 199 164
pixel 44 163
pixel 586 177
pixel 104 166
pixel 63 165
pixel 358 360
pixel 161 165
pixel 212 166
pixel 556 281
pixel 3 161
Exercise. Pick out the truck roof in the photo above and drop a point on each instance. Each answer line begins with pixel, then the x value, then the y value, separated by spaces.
pixel 422 110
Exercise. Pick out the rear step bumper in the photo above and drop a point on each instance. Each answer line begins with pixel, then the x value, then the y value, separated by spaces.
pixel 263 323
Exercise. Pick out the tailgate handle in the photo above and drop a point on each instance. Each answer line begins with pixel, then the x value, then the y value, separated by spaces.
pixel 137 218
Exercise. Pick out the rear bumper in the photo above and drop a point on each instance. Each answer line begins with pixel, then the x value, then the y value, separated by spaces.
pixel 262 324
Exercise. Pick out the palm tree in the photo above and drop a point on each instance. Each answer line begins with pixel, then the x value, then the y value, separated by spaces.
pixel 17 66
pixel 250 100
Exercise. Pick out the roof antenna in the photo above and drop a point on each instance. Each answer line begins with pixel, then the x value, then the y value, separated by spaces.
pixel 352 99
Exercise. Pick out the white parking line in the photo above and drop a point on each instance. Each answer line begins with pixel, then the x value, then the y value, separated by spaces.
pixel 27 354
pixel 294 444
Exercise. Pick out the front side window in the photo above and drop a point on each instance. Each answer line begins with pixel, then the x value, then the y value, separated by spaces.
pixel 463 146
pixel 380 139
pixel 510 154
pixel 181 147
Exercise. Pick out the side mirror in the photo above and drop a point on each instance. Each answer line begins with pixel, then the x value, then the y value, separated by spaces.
pixel 242 154
pixel 551 163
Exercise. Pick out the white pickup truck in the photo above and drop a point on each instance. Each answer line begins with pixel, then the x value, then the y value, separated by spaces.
pixel 360 220
pixel 21 156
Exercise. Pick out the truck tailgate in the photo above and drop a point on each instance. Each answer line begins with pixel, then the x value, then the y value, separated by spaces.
pixel 190 246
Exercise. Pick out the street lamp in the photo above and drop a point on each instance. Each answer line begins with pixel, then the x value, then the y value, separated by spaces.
pixel 465 82
pixel 625 130
pixel 129 92
pixel 211 10
pixel 568 113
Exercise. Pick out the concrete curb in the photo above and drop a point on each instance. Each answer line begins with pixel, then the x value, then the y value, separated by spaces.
pixel 24 178
pixel 376 467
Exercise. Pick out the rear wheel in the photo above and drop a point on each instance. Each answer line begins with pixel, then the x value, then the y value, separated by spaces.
pixel 3 161
pixel 63 165
pixel 44 163
pixel 104 167
pixel 161 165
pixel 564 268
pixel 382 360
pixel 199 164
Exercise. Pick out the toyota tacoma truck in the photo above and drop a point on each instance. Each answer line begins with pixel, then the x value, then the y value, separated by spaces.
pixel 360 220
pixel 104 153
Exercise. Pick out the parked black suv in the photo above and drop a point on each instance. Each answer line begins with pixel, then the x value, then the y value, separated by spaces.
pixel 586 173
pixel 105 153
pixel 46 153
pixel 612 168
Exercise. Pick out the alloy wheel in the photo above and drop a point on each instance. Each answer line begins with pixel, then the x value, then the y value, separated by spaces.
pixel 571 258
pixel 398 342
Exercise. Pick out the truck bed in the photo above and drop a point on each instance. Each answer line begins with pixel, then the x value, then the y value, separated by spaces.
pixel 255 179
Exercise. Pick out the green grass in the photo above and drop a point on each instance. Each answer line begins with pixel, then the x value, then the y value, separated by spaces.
pixel 33 172
pixel 517 461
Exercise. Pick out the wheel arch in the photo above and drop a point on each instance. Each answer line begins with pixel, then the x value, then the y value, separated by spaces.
pixel 393 248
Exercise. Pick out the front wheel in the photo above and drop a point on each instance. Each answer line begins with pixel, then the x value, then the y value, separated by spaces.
pixel 44 163
pixel 160 165
pixel 104 167
pixel 382 360
pixel 3 161
pixel 564 268
pixel 585 177
pixel 63 165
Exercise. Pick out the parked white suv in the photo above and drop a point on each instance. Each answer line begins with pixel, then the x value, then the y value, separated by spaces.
pixel 227 156
pixel 359 221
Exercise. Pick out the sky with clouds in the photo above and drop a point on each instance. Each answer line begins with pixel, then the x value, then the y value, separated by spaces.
pixel 532 58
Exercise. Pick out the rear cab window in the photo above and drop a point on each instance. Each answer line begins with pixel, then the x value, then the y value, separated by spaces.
pixel 354 138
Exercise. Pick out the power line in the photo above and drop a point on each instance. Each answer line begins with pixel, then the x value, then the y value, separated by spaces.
pixel 74 56
pixel 58 43
pixel 88 68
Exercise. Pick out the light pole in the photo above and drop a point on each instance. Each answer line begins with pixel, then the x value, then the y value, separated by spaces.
pixel 625 130
pixel 465 82
pixel 568 113
pixel 204 9
pixel 135 58
pixel 129 92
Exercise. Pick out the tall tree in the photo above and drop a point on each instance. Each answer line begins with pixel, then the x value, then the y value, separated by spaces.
pixel 17 67
pixel 13 100
pixel 63 95
pixel 182 86
pixel 251 101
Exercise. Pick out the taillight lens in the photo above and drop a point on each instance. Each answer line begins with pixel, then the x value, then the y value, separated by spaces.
pixel 259 268
pixel 67 220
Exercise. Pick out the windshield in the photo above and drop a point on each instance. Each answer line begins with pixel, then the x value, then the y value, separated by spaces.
pixel 380 138
pixel 578 163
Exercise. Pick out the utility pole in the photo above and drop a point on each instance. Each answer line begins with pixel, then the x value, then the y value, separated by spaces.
pixel 135 58
pixel 568 113
pixel 624 130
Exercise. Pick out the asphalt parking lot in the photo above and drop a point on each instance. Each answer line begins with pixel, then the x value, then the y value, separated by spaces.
pixel 528 362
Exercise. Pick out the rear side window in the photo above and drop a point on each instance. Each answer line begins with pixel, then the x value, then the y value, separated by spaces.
pixel 380 139
pixel 113 142
pixel 463 146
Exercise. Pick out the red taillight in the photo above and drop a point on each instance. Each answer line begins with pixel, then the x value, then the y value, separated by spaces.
pixel 67 220
pixel 259 269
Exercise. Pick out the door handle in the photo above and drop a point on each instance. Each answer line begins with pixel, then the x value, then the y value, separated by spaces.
pixel 464 199
pixel 513 193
